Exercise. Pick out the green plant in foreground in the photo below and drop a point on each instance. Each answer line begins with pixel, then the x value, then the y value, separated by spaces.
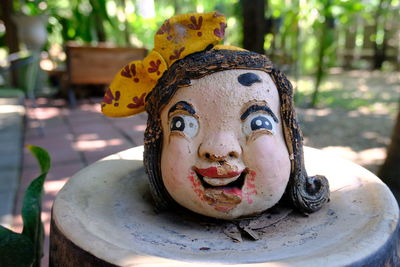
pixel 26 249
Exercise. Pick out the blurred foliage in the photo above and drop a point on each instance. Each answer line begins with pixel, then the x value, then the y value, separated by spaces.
pixel 305 37
pixel 312 36
pixel 124 22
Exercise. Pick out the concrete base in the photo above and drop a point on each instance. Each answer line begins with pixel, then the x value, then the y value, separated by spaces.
pixel 105 211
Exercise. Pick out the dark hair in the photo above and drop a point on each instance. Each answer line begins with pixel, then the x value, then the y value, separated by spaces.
pixel 306 194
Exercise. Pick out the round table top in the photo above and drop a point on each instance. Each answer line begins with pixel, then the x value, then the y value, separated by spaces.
pixel 106 209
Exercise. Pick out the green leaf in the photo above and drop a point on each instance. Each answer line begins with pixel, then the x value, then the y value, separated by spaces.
pixel 31 211
pixel 32 204
pixel 15 249
pixel 42 157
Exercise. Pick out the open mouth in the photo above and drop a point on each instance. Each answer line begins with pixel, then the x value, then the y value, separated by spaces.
pixel 223 190
pixel 231 180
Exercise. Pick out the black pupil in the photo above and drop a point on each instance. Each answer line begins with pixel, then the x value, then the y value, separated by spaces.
pixel 260 122
pixel 177 124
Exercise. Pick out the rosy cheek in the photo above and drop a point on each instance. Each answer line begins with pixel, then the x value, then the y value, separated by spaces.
pixel 196 184
pixel 250 186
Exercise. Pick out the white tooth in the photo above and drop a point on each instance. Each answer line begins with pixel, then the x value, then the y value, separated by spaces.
pixel 219 181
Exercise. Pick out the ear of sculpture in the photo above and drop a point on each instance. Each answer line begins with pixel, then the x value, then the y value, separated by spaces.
pixel 306 193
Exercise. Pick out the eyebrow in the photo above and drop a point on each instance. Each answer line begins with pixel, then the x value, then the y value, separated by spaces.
pixel 255 108
pixel 182 105
pixel 247 79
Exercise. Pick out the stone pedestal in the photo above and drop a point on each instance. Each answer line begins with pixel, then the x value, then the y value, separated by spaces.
pixel 104 217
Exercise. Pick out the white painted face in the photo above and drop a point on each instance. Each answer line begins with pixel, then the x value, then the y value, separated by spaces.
pixel 224 153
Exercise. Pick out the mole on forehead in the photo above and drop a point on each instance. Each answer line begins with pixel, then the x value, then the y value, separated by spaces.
pixel 249 78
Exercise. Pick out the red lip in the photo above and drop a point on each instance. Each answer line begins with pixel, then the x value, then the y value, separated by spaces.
pixel 212 172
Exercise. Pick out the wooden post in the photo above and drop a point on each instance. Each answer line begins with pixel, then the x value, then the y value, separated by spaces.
pixel 253 25
pixel 390 170
pixel 11 36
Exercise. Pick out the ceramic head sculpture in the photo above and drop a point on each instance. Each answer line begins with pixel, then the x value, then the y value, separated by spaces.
pixel 222 138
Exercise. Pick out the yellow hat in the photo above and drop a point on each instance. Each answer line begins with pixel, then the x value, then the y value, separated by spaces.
pixel 178 37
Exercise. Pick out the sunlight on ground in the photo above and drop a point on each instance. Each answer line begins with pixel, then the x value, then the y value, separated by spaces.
pixel 140 127
pixel 372 156
pixel 375 136
pixel 11 109
pixel 91 107
pixel 87 137
pixel 373 90
pixel 92 145
pixel 44 113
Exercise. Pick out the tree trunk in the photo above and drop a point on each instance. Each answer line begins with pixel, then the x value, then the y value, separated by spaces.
pixel 380 53
pixel 100 31
pixel 253 25
pixel 325 41
pixel 98 20
pixel 12 42
pixel 380 49
pixel 390 170
pixel 177 6
pixel 127 29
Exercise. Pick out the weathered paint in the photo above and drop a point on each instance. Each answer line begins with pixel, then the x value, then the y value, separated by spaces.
pixel 187 73
pixel 196 184
pixel 223 186
pixel 223 199
pixel 249 183
pixel 215 172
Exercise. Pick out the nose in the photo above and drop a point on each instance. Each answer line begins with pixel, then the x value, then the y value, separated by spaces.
pixel 220 147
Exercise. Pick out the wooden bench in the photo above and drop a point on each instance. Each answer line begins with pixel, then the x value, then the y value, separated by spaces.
pixel 96 64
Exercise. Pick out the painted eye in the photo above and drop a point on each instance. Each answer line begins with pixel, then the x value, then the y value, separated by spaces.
pixel 186 124
pixel 259 121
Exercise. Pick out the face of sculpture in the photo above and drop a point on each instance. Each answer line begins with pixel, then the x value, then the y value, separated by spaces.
pixel 224 153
